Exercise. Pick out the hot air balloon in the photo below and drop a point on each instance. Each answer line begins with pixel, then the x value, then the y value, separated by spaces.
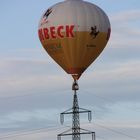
pixel 74 33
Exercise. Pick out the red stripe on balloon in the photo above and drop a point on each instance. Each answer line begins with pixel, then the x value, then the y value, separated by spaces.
pixel 108 34
pixel 75 70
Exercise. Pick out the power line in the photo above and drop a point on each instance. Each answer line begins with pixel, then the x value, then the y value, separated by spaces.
pixel 54 128
pixel 100 97
pixel 31 93
pixel 109 100
pixel 117 132
pixel 29 132
pixel 40 130
pixel 100 137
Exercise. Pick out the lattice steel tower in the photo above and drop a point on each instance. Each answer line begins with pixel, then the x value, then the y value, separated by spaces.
pixel 75 131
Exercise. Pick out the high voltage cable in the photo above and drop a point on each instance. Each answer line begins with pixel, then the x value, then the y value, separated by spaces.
pixel 54 128
pixel 39 130
pixel 43 93
pixel 29 132
pixel 106 99
pixel 33 131
pixel 100 97
pixel 30 94
pixel 117 132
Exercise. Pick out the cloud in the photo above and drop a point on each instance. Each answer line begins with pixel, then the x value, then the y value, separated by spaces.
pixel 125 29
pixel 24 75
pixel 30 78
pixel 29 70
pixel 126 16
pixel 115 130
pixel 34 89
pixel 120 81
pixel 103 131
pixel 30 82
pixel 27 119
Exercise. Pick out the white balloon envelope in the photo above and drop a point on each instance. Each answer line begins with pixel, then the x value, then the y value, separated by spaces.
pixel 74 33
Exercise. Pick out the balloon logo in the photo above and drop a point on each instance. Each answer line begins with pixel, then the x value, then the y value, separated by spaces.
pixel 74 33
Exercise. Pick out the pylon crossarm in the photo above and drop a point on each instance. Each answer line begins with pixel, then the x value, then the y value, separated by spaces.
pixel 88 132
pixel 82 110
pixel 85 130
pixel 69 111
pixel 65 133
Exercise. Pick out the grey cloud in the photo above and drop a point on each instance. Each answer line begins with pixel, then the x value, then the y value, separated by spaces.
pixel 126 16
pixel 34 83
pixel 27 120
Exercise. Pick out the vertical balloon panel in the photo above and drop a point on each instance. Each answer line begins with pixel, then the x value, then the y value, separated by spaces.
pixel 74 33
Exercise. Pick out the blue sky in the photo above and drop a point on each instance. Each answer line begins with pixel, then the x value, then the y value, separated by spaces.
pixel 31 91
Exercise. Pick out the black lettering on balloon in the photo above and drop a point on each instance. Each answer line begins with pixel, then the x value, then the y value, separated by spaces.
pixel 48 12
pixel 94 32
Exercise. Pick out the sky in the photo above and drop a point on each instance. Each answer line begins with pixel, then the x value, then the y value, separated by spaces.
pixel 34 89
